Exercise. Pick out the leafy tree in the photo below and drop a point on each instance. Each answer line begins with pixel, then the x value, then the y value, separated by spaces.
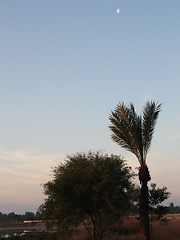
pixel 12 217
pixel 134 133
pixel 173 209
pixel 87 188
pixel 29 216
pixel 156 197
pixel 38 215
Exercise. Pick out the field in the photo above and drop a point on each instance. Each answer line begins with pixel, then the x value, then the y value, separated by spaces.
pixel 168 229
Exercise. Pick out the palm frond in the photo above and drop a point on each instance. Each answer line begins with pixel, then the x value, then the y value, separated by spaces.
pixel 126 128
pixel 150 115
pixel 134 132
pixel 136 129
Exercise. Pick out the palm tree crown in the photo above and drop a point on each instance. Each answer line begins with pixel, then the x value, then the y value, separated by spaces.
pixel 132 131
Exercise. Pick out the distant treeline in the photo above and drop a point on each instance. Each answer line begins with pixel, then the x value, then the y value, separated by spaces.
pixel 173 209
pixel 13 217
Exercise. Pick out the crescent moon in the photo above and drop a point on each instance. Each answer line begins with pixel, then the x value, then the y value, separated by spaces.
pixel 118 10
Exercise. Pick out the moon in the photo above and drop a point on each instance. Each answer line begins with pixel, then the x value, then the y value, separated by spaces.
pixel 118 10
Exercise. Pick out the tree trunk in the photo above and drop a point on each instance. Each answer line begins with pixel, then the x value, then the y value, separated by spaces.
pixel 144 177
pixel 93 228
pixel 96 227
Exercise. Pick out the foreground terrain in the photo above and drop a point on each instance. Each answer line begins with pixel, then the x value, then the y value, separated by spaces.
pixel 167 229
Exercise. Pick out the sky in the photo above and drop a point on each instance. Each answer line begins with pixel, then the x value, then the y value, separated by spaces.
pixel 64 66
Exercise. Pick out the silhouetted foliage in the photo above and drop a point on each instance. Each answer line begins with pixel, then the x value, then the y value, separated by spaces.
pixel 13 217
pixel 156 197
pixel 88 188
pixel 173 209
pixel 134 133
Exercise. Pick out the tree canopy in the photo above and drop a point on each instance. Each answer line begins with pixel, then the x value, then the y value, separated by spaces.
pixel 156 197
pixel 132 131
pixel 90 186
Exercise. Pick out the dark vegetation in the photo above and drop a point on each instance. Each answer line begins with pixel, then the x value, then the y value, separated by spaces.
pixel 134 133
pixel 92 197
pixel 173 209
pixel 95 191
pixel 13 217
pixel 91 189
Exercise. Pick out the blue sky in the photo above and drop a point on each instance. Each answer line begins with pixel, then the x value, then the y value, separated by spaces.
pixel 64 65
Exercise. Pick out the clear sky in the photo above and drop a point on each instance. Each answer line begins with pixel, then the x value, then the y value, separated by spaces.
pixel 64 65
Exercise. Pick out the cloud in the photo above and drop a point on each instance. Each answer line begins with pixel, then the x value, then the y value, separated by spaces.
pixel 22 173
pixel 23 162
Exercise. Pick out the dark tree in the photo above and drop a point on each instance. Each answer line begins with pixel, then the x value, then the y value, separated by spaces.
pixel 87 188
pixel 134 133
pixel 156 197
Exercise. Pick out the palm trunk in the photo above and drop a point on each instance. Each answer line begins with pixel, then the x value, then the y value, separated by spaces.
pixel 144 177
pixel 144 212
pixel 93 228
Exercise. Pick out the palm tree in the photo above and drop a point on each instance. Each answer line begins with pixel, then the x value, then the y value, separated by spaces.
pixel 134 133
